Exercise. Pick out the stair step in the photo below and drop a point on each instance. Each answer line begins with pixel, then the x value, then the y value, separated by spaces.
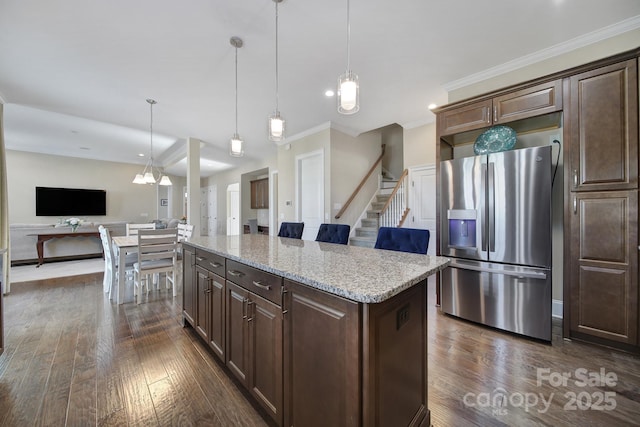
pixel 362 242
pixel 369 222
pixel 367 232
pixel 382 197
pixel 373 214
pixel 377 205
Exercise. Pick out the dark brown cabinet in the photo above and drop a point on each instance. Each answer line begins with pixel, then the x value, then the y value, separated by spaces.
pixel 604 285
pixel 322 356
pixel 260 194
pixel 254 334
pixel 524 103
pixel 210 319
pixel 602 128
pixel 601 222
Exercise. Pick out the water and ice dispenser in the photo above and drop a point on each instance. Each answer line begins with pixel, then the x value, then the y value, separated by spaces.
pixel 462 228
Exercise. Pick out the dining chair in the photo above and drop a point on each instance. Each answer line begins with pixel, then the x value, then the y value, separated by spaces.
pixel 132 229
pixel 334 233
pixel 292 230
pixel 184 231
pixel 157 253
pixel 412 240
pixel 110 279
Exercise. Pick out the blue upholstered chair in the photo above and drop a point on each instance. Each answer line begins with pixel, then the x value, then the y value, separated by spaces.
pixel 293 230
pixel 403 239
pixel 334 233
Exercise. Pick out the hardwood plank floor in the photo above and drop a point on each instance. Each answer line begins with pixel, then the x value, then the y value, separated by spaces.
pixel 72 357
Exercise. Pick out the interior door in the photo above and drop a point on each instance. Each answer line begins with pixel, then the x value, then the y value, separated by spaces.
pixel 422 202
pixel 310 184
pixel 233 210
pixel 212 210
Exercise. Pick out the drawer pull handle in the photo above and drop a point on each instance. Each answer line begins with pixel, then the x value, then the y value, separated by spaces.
pixel 261 286
pixel 215 264
pixel 199 258
pixel 235 273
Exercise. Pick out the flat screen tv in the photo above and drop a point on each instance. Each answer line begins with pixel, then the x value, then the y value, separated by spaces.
pixel 70 201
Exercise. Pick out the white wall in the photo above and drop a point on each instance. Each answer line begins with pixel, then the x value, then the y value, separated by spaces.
pixel 419 145
pixel 125 201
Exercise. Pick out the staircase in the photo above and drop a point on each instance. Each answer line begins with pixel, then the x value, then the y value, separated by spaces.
pixel 367 233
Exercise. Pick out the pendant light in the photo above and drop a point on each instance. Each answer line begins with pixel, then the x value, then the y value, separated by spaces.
pixel 276 122
pixel 236 146
pixel 348 86
pixel 148 175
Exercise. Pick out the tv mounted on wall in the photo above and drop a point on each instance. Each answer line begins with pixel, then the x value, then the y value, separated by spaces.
pixel 70 201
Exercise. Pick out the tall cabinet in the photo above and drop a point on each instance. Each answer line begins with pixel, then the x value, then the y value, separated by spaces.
pixel 601 235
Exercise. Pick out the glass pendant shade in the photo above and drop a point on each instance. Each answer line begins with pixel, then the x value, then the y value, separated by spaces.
pixel 276 127
pixel 139 179
pixel 236 147
pixel 149 179
pixel 348 93
pixel 165 180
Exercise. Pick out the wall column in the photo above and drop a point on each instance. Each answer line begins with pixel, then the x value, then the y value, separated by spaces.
pixel 193 184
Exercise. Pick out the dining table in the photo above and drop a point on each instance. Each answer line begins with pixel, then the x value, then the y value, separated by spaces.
pixel 123 245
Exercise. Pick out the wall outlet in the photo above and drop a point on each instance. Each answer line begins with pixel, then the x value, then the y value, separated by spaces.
pixel 144 214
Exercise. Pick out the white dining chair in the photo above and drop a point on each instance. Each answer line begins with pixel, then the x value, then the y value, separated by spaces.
pixel 157 253
pixel 111 262
pixel 184 231
pixel 132 229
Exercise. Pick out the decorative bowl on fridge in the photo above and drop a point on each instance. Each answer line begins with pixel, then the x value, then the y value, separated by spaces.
pixel 495 139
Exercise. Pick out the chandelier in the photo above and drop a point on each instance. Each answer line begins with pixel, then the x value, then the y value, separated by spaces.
pixel 148 175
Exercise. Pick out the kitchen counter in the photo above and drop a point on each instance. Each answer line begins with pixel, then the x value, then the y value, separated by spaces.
pixel 358 274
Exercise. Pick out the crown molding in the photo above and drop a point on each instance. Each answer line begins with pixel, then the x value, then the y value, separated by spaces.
pixel 316 129
pixel 613 30
pixel 417 123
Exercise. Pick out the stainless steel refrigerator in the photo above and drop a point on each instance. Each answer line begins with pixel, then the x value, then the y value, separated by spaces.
pixel 496 227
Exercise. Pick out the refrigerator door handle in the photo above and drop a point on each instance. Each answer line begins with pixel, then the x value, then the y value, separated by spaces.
pixel 492 206
pixel 522 274
pixel 483 220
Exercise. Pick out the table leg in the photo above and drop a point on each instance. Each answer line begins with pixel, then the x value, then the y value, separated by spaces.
pixel 122 254
pixel 40 249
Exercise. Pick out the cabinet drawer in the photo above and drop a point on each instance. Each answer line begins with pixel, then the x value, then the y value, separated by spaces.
pixel 210 261
pixel 259 282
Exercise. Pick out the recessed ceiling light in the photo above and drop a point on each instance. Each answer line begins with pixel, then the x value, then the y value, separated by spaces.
pixel 329 93
pixel 432 106
pixel 140 155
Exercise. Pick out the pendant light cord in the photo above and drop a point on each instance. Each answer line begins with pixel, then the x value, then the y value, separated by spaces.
pixel 236 90
pixel 348 38
pixel 277 58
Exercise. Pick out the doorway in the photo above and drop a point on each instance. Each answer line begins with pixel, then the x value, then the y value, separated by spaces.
pixel 233 209
pixel 423 202
pixel 310 192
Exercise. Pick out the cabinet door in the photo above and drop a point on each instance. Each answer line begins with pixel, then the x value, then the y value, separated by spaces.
pixel 530 102
pixel 468 117
pixel 265 354
pixel 188 287
pixel 217 315
pixel 604 266
pixel 254 194
pixel 602 124
pixel 237 331
pixel 321 358
pixel 203 318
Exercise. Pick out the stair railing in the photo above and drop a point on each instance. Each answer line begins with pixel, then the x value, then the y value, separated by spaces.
pixel 359 187
pixel 395 211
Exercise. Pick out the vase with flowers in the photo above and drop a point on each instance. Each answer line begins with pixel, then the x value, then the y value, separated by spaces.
pixel 74 223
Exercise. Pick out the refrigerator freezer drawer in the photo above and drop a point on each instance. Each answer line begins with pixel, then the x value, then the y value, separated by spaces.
pixel 515 299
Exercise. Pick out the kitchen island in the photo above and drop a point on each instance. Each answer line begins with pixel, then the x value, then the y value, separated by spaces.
pixel 318 333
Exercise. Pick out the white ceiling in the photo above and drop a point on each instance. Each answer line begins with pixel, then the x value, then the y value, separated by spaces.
pixel 75 74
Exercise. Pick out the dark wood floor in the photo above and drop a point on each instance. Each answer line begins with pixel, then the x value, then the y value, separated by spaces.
pixel 74 358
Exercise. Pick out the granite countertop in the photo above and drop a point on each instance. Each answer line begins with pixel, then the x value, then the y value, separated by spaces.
pixel 356 273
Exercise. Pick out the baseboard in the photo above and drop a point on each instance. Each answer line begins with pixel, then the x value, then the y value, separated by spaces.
pixel 556 308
